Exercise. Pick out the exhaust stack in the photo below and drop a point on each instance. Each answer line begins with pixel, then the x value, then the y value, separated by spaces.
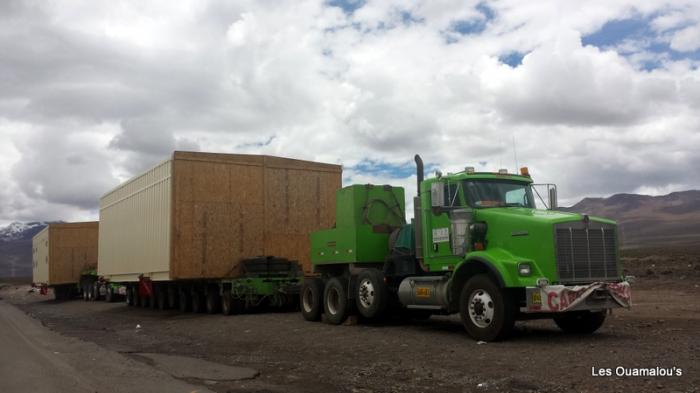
pixel 417 221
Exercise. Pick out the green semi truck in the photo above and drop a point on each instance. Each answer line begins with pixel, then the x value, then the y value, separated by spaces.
pixel 477 246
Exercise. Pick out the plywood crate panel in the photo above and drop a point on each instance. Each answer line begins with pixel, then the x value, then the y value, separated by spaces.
pixel 63 251
pixel 227 207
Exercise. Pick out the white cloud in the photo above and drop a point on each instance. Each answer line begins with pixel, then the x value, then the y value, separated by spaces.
pixel 108 89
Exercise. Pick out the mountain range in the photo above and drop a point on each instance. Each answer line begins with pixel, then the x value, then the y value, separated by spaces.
pixel 16 248
pixel 643 220
pixel 668 220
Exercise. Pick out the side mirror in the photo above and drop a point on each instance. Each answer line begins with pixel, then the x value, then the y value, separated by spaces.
pixel 553 197
pixel 552 204
pixel 437 194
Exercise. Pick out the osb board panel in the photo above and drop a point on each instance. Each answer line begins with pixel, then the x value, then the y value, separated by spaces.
pixel 230 207
pixel 72 249
pixel 218 217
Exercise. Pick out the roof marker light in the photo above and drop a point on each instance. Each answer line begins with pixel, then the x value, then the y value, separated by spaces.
pixel 502 171
pixel 524 171
pixel 469 170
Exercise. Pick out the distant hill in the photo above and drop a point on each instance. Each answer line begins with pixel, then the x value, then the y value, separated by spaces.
pixel 16 248
pixel 644 220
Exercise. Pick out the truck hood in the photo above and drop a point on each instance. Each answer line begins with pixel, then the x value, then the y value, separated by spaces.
pixel 535 216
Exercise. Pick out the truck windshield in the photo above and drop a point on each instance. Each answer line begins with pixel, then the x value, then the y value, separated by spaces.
pixel 497 193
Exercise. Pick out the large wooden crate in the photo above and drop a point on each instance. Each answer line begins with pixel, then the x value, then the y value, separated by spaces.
pixel 61 252
pixel 198 215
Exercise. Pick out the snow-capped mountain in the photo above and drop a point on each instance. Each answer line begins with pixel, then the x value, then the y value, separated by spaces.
pixel 16 248
pixel 16 230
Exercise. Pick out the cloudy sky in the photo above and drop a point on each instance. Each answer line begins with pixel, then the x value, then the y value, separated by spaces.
pixel 600 97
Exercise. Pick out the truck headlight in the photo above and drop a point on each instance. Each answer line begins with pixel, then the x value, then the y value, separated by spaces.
pixel 524 269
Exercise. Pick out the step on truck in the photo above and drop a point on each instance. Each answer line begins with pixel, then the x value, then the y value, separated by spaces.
pixel 207 232
pixel 477 246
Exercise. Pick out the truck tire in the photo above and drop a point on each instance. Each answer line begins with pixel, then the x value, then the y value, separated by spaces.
pixel 144 301
pixel 226 302
pixel 109 293
pixel 580 322
pixel 184 300
pixel 213 301
pixel 161 297
pixel 487 311
pixel 335 301
pixel 85 291
pixel 95 288
pixel 372 294
pixel 311 299
pixel 129 296
pixel 197 302
pixel 173 297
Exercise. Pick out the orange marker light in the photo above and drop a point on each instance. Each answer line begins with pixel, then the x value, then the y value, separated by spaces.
pixel 524 171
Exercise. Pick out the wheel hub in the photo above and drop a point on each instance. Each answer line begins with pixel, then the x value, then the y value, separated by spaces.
pixel 307 300
pixel 366 293
pixel 481 308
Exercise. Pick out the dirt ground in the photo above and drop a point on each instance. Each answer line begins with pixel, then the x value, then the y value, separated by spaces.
pixel 436 355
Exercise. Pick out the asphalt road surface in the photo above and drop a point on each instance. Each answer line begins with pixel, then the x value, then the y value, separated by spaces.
pixel 35 359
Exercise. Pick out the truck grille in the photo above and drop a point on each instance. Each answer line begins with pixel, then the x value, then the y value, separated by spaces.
pixel 586 254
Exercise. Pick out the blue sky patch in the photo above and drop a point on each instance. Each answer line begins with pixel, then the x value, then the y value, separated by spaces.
pixel 616 32
pixel 398 171
pixel 349 6
pixel 513 59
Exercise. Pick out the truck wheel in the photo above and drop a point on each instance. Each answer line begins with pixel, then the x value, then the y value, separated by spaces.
pixel 144 301
pixel 129 296
pixel 372 294
pixel 161 298
pixel 172 297
pixel 109 293
pixel 580 322
pixel 184 300
pixel 95 287
pixel 213 301
pixel 486 310
pixel 136 295
pixel 310 297
pixel 226 302
pixel 197 302
pixel 335 301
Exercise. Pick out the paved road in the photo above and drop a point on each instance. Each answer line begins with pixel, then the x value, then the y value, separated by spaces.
pixel 35 359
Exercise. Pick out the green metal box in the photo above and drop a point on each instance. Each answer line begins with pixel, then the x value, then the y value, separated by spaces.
pixel 365 217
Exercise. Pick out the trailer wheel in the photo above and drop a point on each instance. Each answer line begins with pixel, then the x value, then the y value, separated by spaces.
pixel 486 310
pixel 213 301
pixel 161 298
pixel 154 297
pixel 372 294
pixel 129 296
pixel 580 322
pixel 109 293
pixel 144 301
pixel 226 302
pixel 84 290
pixel 311 299
pixel 172 297
pixel 197 302
pixel 184 301
pixel 335 301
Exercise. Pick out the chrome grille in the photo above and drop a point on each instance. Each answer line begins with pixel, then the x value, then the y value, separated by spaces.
pixel 586 254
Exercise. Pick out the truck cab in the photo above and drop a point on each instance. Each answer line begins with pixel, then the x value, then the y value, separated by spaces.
pixel 478 246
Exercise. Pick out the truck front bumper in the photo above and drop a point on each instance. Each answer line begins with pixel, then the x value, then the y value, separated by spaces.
pixel 597 296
